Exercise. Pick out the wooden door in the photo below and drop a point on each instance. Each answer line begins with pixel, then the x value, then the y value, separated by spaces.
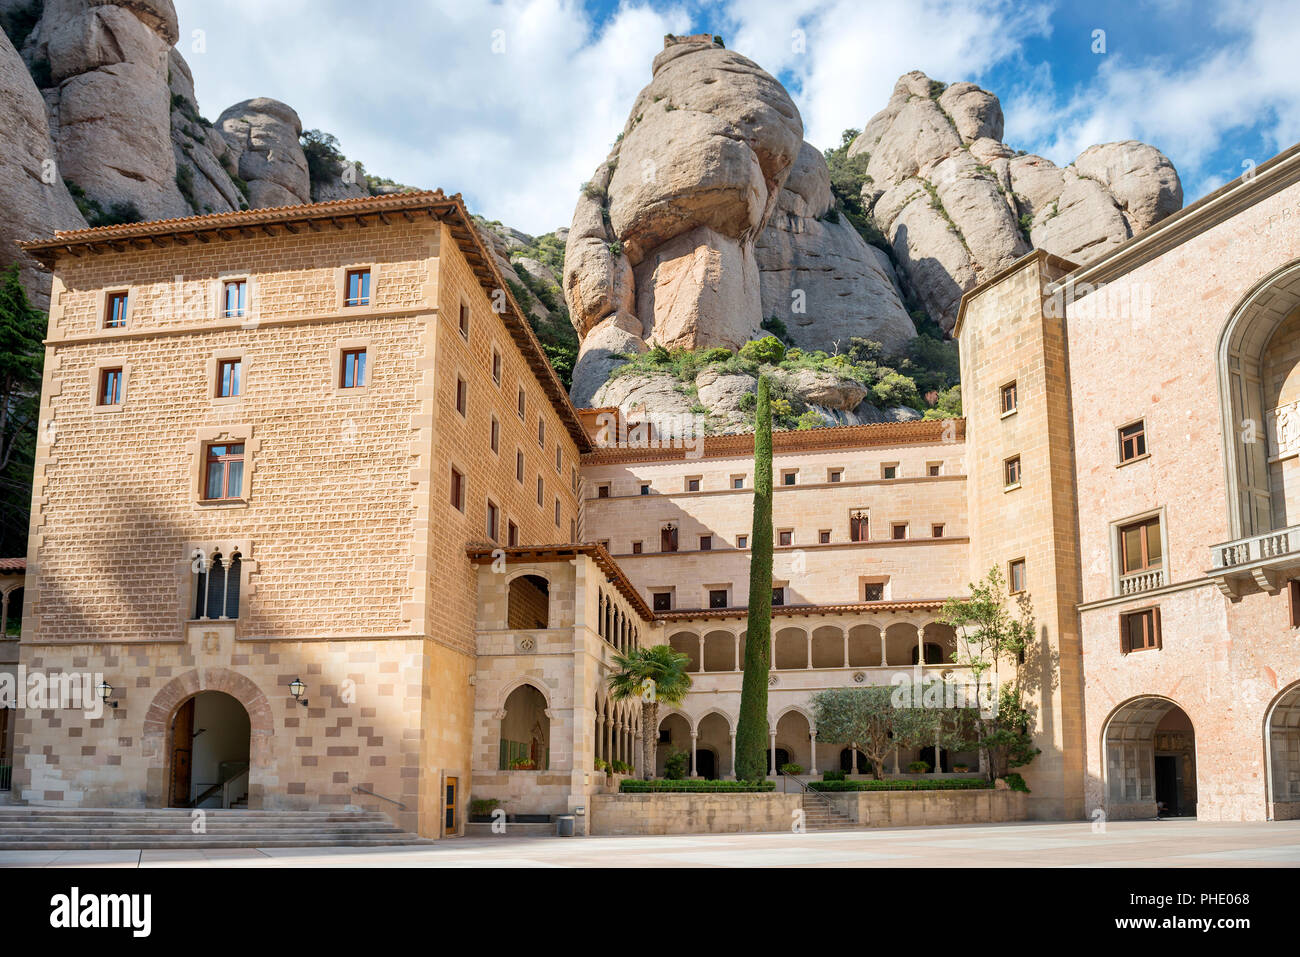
pixel 449 816
pixel 182 752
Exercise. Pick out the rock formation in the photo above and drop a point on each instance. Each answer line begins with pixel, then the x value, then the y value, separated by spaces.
pixel 958 205
pixel 264 137
pixel 35 200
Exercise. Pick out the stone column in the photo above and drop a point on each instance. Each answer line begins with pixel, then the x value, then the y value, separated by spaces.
pixel 846 649
pixel 920 647
pixel 884 656
pixel 812 752
pixel 772 752
pixel 609 738
pixel 740 665
pixel 694 746
pixel 853 749
pixel 733 755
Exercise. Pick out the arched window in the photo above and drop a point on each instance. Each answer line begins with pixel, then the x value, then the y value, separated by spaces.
pixel 525 732
pixel 216 586
pixel 528 602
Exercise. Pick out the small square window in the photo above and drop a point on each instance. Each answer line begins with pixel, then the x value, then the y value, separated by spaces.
pixel 889 471
pixel 1132 441
pixel 873 591
pixel 934 469
pixel 224 476
pixel 778 596
pixel 1009 398
pixel 898 531
pixel 706 543
pixel 602 491
pixel 1016 576
pixel 357 288
pixel 494 435
pixel 636 548
pixel 824 536
pixel 228 378
pixel 663 600
pixel 115 310
pixel 352 368
pixel 493 519
pixel 1140 630
pixel 457 489
pixel 496 366
pixel 645 488
pixel 785 537
pixel 462 396
pixel 936 531
pixel 835 475
pixel 234 299
pixel 738 481
pixel 789 476
pixel 110 387
pixel 463 322
pixel 692 485
pixel 717 598
pixel 1011 471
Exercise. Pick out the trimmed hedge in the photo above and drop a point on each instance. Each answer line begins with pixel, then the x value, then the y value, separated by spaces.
pixel 637 786
pixel 939 784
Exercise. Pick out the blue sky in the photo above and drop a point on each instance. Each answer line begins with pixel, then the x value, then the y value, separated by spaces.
pixel 514 103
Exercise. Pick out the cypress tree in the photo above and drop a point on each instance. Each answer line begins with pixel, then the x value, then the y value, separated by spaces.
pixel 751 727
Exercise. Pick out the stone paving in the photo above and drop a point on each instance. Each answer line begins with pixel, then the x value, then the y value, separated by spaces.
pixel 1174 843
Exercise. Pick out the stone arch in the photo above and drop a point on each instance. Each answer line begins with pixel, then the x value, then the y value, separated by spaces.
pixel 519 682
pixel 790 649
pixel 687 643
pixel 528 601
pixel 1245 339
pixel 1133 785
pixel 864 646
pixel 525 723
pixel 828 647
pixel 156 734
pixel 1282 754
pixel 901 643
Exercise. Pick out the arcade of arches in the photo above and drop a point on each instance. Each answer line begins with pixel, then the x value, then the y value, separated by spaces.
pixel 899 644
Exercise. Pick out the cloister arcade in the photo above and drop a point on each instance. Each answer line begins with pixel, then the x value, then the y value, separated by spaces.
pixel 1283 730
pixel 618 723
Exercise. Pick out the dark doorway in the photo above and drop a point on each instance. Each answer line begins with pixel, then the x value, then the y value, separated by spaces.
pixel 1168 797
pixel 706 764
pixel 846 762
pixel 782 757
pixel 210 753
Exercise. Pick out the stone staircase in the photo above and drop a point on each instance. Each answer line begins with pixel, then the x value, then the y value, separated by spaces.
pixel 47 828
pixel 820 814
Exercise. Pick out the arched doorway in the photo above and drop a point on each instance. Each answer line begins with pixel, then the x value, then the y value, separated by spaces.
pixel 528 603
pixel 1283 747
pixel 1150 749
pixel 713 738
pixel 525 732
pixel 211 746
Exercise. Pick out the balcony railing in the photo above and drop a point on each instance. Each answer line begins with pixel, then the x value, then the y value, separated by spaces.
pixel 1142 581
pixel 1265 559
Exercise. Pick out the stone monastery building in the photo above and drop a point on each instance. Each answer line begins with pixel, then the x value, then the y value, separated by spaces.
pixel 322 443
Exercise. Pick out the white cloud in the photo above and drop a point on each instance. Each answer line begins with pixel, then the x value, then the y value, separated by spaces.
pixel 418 94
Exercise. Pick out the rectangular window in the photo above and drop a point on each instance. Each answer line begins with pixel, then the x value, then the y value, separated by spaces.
pixel 512 534
pixel 463 322
pixel 858 527
pixel 115 310
pixel 224 478
pixel 1008 398
pixel 1139 630
pixel 494 435
pixel 521 403
pixel 692 485
pixel 835 475
pixel 778 596
pixel 352 368
pixel 824 536
pixel 889 471
pixel 541 490
pixel 788 477
pixel 559 459
pixel 738 481
pixel 228 376
pixel 936 531
pixel 934 469
pixel 898 531
pixel 636 548
pixel 706 543
pixel 645 489
pixel 663 600
pixel 496 366
pixel 668 538
pixel 519 466
pixel 785 537
pixel 573 529
pixel 493 519
pixel 873 591
pixel 457 489
pixel 717 598
pixel 1132 441
pixel 1016 576
pixel 1011 471
pixel 1140 546
pixel 541 431
pixel 557 511
pixel 110 386
pixel 602 491
pixel 357 287
pixel 233 298
pixel 742 541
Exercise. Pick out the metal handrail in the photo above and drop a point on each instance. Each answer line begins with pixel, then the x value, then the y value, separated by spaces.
pixel 358 789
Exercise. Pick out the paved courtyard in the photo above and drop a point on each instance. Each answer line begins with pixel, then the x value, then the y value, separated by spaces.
pixel 1175 843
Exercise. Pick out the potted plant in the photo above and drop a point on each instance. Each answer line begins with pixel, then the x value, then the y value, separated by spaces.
pixel 919 767
pixel 523 764
pixel 791 769
pixel 480 810
pixel 961 768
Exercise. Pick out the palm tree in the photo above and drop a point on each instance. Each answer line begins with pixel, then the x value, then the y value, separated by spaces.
pixel 652 674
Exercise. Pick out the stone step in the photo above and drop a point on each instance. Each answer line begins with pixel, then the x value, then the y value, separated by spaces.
pixel 152 844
